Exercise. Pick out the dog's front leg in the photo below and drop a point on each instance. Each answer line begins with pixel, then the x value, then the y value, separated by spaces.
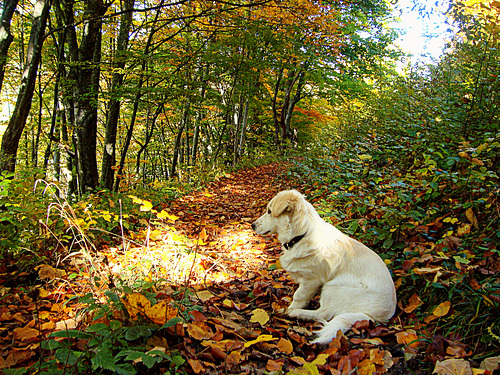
pixel 304 293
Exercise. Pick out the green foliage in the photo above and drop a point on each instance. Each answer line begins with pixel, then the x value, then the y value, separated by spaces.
pixel 108 345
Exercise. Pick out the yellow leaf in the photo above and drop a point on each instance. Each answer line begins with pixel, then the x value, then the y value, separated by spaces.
pixel 463 229
pixel 165 215
pixel 307 369
pixel 204 295
pixel 366 367
pixel 320 359
pixel 472 217
pixel 364 157
pixel 261 338
pixel 146 206
pixel 259 316
pixel 442 309
pixel 207 194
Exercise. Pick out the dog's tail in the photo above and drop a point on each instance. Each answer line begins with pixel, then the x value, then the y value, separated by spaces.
pixel 342 322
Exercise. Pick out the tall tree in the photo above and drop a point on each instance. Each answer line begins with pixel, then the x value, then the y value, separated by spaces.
pixel 12 135
pixel 109 155
pixel 84 75
pixel 6 38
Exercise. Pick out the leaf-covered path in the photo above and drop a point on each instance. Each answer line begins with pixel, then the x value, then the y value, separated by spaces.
pixel 192 289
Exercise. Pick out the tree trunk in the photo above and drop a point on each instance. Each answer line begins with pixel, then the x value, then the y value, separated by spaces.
pixel 6 38
pixel 109 155
pixel 137 99
pixel 12 135
pixel 86 92
pixel 177 145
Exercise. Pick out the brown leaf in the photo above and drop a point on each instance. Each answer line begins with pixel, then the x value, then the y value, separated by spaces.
pixel 472 217
pixel 15 357
pixel 47 272
pixel 235 358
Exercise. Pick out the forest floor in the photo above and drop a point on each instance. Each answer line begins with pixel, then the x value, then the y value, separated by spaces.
pixel 221 277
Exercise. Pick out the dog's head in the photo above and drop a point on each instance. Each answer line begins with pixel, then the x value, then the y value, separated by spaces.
pixel 282 215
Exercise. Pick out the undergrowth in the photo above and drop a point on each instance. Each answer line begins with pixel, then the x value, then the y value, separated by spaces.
pixel 434 217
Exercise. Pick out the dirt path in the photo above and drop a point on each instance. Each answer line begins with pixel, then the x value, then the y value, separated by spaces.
pixel 216 273
pixel 219 242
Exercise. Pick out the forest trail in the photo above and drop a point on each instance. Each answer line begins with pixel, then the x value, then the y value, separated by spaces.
pixel 216 222
pixel 197 270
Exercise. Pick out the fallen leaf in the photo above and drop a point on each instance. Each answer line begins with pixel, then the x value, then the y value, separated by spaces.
pixel 490 364
pixel 25 333
pixel 199 331
pixel 413 304
pixel 235 358
pixel 320 359
pixel 261 338
pixel 274 366
pixel 453 367
pixel 259 316
pixel 285 346
pixel 442 309
pixel 50 273
pixel 472 217
pixel 366 367
pixel 196 366
pixel 408 337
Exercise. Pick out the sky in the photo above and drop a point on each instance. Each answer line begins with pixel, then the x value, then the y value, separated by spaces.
pixel 424 35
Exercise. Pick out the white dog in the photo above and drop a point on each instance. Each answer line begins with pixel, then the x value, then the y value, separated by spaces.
pixel 354 281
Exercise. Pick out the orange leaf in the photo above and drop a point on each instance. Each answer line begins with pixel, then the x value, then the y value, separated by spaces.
pixel 199 331
pixel 196 366
pixel 235 358
pixel 442 309
pixel 414 302
pixel 408 337
pixel 366 367
pixel 285 346
pixel 274 366
pixel 25 333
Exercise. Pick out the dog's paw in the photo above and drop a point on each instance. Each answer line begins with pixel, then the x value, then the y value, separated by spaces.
pixel 292 312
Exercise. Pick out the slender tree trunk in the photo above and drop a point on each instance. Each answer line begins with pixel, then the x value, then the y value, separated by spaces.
pixel 109 155
pixel 6 38
pixel 137 99
pixel 178 139
pixel 12 135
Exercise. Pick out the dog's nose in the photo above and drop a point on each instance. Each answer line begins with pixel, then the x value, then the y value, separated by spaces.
pixel 253 226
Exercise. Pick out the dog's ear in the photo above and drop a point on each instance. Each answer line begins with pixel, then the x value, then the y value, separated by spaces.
pixel 285 202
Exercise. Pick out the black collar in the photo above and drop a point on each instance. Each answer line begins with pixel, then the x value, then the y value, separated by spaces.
pixel 293 241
